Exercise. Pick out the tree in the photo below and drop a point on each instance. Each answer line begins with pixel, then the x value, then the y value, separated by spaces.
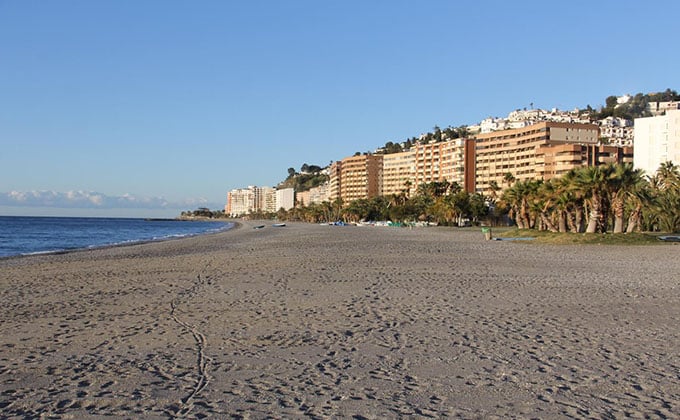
pixel 623 181
pixel 291 172
pixel 478 206
pixel 356 210
pixel 518 199
pixel 508 178
pixel 611 102
pixel 571 202
pixel 665 206
pixel 434 189
pixel 493 191
pixel 545 204
pixel 592 181
pixel 462 131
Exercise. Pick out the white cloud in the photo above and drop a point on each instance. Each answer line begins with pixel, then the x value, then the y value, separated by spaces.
pixel 95 200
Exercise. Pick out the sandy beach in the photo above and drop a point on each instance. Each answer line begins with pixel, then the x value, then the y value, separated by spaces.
pixel 342 322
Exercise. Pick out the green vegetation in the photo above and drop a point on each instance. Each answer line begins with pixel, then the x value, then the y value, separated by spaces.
pixel 202 213
pixel 636 107
pixel 545 237
pixel 587 205
pixel 598 199
pixel 310 176
pixel 441 203
pixel 390 147
pixel 437 135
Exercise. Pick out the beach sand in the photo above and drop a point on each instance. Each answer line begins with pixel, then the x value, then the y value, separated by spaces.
pixel 342 322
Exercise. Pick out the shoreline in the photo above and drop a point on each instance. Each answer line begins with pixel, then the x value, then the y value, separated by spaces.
pixel 326 321
pixel 123 244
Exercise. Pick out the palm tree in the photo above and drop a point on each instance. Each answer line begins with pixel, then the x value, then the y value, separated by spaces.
pixel 357 210
pixel 459 205
pixel 508 178
pixel 592 181
pixel 567 203
pixel 639 198
pixel 493 191
pixel 407 188
pixel 518 198
pixel 545 204
pixel 668 175
pixel 622 182
pixel 666 197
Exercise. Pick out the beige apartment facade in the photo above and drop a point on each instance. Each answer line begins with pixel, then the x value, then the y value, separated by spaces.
pixel 539 151
pixel 398 173
pixel 428 163
pixel 451 160
pixel 315 195
pixel 356 177
pixel 334 180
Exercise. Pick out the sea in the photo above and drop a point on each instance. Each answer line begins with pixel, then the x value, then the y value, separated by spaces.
pixel 35 235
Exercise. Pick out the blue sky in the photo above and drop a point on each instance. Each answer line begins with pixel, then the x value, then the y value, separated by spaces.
pixel 144 108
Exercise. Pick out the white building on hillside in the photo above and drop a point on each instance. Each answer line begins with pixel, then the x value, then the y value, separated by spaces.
pixel 657 140
pixel 660 108
pixel 619 131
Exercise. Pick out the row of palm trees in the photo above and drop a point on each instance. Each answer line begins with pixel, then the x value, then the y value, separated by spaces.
pixel 607 198
pixel 597 199
pixel 437 202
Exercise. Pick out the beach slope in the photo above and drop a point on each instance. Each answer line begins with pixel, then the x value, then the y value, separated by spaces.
pixel 342 322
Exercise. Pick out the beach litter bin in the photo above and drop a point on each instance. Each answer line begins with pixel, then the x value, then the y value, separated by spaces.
pixel 487 233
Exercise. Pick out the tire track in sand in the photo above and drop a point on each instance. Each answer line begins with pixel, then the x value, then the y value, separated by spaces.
pixel 202 360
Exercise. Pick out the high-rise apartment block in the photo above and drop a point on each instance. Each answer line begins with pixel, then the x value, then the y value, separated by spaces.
pixel 451 160
pixel 657 140
pixel 539 151
pixel 240 201
pixel 542 150
pixel 356 177
pixel 398 173
pixel 243 201
pixel 284 199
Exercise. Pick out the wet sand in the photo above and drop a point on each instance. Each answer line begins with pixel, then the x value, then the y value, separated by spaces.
pixel 342 322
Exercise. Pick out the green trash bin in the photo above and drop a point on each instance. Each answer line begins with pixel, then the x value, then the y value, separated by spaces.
pixel 487 233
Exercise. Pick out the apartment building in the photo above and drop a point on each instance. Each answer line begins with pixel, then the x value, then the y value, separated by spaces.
pixel 356 177
pixel 619 131
pixel 604 154
pixel 451 161
pixel 398 173
pixel 334 180
pixel 284 198
pixel 265 199
pixel 428 162
pixel 314 195
pixel 458 163
pixel 539 151
pixel 660 108
pixel 555 160
pixel 657 140
pixel 242 201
